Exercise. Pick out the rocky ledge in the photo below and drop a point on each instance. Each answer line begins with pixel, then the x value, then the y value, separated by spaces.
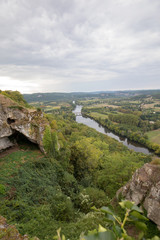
pixel 144 189
pixel 17 119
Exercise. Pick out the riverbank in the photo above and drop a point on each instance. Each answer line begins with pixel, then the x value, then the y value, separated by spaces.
pixel 89 121
pixel 144 143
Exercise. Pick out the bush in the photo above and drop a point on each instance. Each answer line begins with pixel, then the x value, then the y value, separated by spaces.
pixel 62 208
pixel 90 197
pixel 155 161
pixel 2 189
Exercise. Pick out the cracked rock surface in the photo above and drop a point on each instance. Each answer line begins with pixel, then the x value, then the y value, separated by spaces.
pixel 144 189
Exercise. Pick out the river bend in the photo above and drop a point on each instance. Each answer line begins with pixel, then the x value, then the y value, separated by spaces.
pixel 93 124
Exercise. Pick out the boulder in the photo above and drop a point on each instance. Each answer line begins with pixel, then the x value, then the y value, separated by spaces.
pixel 144 189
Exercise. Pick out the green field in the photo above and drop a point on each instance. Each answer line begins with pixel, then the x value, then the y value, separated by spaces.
pixel 98 115
pixel 154 136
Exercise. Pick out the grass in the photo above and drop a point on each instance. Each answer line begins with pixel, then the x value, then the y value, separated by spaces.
pixel 30 190
pixel 155 161
pixel 154 136
pixel 49 107
pixel 10 164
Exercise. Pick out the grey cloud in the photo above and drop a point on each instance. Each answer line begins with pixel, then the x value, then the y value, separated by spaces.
pixel 62 45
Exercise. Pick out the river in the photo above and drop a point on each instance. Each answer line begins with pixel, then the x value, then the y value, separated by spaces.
pixel 93 124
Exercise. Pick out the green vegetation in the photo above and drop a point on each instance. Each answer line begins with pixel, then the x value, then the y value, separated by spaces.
pixel 133 117
pixel 82 169
pixel 98 115
pixel 155 161
pixel 60 189
pixel 117 226
pixel 131 114
pixel 154 136
pixel 15 96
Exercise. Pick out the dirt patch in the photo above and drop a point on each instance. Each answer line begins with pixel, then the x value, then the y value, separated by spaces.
pixel 8 151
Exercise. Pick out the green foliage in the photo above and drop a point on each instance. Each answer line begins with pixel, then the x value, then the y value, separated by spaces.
pixel 16 107
pixel 39 109
pixel 2 190
pixel 116 227
pixel 15 96
pixel 155 161
pixel 116 171
pixel 47 139
pixel 133 133
pixel 90 197
pixel 62 208
pixel 101 235
pixel 128 119
pixel 84 159
pixel 83 168
pixel 50 142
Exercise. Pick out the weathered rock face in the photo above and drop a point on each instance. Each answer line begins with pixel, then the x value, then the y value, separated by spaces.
pixel 28 122
pixel 144 189
pixel 5 143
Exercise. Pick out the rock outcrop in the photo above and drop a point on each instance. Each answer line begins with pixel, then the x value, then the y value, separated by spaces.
pixel 15 118
pixel 144 189
pixel 9 232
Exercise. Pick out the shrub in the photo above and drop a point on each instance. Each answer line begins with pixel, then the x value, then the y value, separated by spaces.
pixel 156 161
pixel 62 208
pixel 2 189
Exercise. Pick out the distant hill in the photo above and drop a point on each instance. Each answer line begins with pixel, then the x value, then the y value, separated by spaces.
pixel 54 96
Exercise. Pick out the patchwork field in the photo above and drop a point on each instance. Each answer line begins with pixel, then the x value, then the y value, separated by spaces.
pixel 103 105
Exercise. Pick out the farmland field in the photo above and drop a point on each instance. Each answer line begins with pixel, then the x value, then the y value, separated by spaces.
pixel 154 136
pixel 95 114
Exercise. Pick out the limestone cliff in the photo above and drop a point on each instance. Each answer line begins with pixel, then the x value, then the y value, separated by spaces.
pixel 144 189
pixel 15 118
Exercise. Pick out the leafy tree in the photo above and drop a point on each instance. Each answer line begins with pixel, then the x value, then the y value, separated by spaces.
pixel 85 157
pixel 50 142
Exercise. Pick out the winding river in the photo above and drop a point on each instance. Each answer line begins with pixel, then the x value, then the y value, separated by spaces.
pixel 93 124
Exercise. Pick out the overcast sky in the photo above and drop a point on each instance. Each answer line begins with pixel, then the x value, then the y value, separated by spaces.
pixel 79 45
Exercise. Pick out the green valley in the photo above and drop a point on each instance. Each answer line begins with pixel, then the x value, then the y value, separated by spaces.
pixel 81 169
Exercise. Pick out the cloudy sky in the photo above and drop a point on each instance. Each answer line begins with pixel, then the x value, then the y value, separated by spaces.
pixel 79 45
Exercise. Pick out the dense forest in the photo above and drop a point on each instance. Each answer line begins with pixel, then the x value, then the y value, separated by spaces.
pixel 82 169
